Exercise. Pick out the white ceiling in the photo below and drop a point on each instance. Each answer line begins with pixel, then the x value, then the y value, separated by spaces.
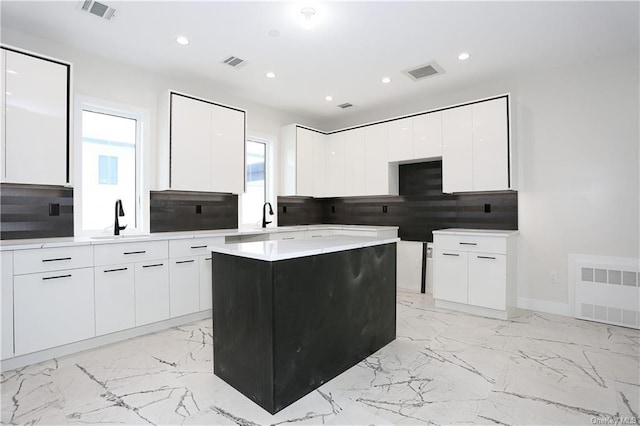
pixel 350 48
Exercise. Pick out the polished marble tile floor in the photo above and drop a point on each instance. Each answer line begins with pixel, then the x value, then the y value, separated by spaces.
pixel 444 368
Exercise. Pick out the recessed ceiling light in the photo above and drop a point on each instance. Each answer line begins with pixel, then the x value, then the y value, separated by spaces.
pixel 11 72
pixel 274 33
pixel 328 98
pixel 182 40
pixel 386 80
pixel 271 75
pixel 463 56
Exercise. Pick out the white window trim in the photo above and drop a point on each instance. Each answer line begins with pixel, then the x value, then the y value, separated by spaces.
pixel 142 117
pixel 269 176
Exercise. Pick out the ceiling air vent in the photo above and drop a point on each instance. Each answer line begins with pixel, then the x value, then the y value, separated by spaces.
pixel 423 71
pixel 99 9
pixel 345 105
pixel 234 61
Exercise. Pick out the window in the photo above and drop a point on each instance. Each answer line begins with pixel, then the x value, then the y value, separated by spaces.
pixel 256 177
pixel 109 163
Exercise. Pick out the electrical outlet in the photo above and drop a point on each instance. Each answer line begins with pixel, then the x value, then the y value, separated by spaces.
pixel 553 277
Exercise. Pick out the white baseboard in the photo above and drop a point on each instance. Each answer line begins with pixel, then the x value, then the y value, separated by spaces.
pixel 94 342
pixel 546 306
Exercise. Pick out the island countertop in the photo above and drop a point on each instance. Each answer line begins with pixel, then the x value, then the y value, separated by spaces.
pixel 291 249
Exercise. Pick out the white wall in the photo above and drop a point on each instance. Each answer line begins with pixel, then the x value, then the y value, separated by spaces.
pixel 578 155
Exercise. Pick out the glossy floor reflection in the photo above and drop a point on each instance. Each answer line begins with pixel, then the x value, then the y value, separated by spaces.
pixel 444 368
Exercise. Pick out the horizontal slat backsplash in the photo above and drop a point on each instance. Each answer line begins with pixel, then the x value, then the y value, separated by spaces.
pixel 178 211
pixel 24 211
pixel 421 208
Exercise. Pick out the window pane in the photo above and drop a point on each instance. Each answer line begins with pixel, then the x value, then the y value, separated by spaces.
pixel 108 169
pixel 254 198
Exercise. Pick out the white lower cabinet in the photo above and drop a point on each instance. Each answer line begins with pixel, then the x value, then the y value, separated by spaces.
pixel 152 291
pixel 475 269
pixel 184 287
pixel 53 309
pixel 452 270
pixel 6 300
pixel 206 280
pixel 115 298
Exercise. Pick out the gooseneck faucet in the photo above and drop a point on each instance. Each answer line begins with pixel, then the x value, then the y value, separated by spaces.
pixel 264 214
pixel 119 213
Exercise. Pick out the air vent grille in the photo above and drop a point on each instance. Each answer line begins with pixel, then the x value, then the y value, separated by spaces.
pixel 345 105
pixel 423 71
pixel 234 61
pixel 98 9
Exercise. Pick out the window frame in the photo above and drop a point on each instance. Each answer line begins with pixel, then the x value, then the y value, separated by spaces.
pixel 269 170
pixel 141 115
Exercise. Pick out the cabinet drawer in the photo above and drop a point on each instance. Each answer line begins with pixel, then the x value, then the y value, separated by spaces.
pixel 51 259
pixel 472 243
pixel 110 254
pixel 286 235
pixel 192 246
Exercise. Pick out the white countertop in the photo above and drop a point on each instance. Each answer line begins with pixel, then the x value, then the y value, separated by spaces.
pixel 290 249
pixel 478 232
pixel 110 239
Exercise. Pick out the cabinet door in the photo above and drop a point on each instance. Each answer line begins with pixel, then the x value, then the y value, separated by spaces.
pixel 184 286
pixel 3 91
pixel 304 162
pixel 319 165
pixel 115 298
pixel 36 120
pixel 335 165
pixel 6 303
pixel 427 135
pixel 53 309
pixel 206 300
pixel 450 276
pixel 401 139
pixel 490 146
pixel 376 159
pixel 355 182
pixel 152 291
pixel 228 150
pixel 488 280
pixel 190 144
pixel 457 157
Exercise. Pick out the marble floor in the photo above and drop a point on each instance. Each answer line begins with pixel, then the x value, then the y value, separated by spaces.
pixel 443 368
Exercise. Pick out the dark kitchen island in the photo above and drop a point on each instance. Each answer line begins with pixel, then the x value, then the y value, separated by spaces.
pixel 291 315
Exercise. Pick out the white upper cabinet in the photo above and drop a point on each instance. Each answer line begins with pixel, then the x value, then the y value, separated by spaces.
pixel 401 139
pixel 190 144
pixel 228 150
pixel 376 159
pixel 319 164
pixel 35 127
pixel 457 156
pixel 490 145
pixel 304 162
pixel 427 135
pixel 207 146
pixel 336 165
pixel 355 181
pixel 475 147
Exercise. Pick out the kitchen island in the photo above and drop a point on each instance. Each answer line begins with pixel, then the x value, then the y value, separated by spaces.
pixel 290 315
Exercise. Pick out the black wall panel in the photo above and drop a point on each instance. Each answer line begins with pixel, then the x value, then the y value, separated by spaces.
pixel 35 211
pixel 420 208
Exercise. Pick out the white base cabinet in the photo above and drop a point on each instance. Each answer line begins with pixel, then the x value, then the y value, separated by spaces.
pixel 475 268
pixel 206 282
pixel 184 288
pixel 152 291
pixel 53 309
pixel 6 300
pixel 115 298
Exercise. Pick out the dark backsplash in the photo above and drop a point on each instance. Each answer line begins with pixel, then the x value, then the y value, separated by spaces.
pixel 35 211
pixel 178 211
pixel 420 208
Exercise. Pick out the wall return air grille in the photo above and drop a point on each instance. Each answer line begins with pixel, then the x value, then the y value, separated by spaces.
pixel 607 289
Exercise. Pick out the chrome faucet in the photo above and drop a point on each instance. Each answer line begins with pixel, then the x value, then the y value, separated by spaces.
pixel 264 214
pixel 119 213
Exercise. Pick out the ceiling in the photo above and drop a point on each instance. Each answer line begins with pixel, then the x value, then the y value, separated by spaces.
pixel 350 47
